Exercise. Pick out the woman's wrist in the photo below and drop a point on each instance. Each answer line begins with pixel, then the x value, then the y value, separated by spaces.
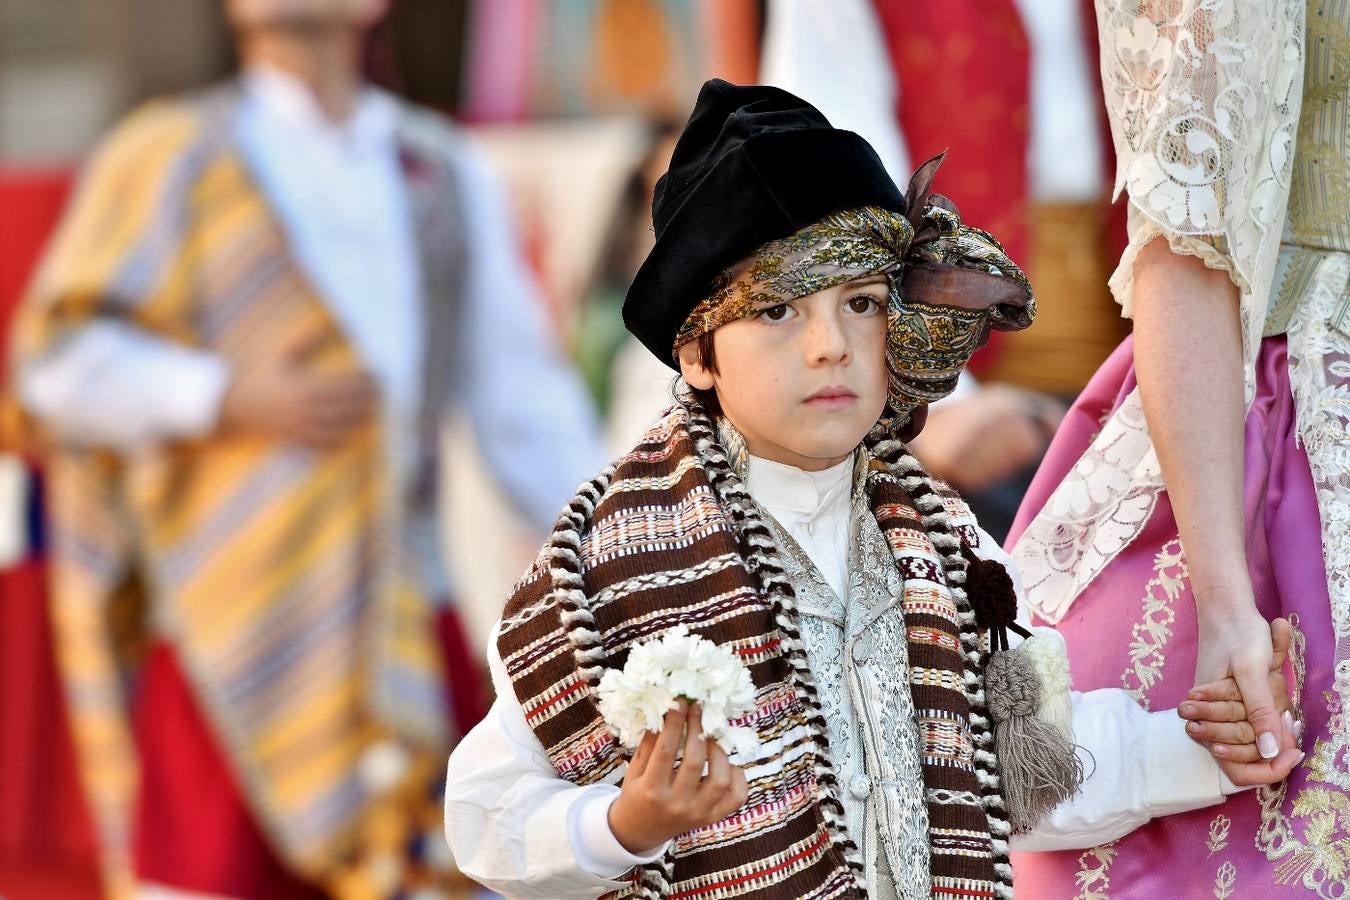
pixel 1220 608
pixel 1228 588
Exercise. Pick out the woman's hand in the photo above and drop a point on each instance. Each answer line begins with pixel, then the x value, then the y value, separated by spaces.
pixel 1236 642
pixel 1219 718
pixel 660 799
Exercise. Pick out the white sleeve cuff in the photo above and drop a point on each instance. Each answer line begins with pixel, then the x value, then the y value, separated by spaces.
pixel 1140 765
pixel 1182 775
pixel 113 385
pixel 190 405
pixel 596 849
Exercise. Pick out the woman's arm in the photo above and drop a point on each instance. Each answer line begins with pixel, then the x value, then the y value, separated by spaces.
pixel 1188 359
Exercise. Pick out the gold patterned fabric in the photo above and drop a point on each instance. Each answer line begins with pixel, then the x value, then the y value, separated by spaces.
pixel 949 285
pixel 1318 225
pixel 842 247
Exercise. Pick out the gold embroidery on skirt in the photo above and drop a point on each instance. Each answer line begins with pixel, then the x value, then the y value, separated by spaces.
pixel 1095 880
pixel 1148 646
pixel 1318 859
pixel 1151 633
pixel 1218 833
pixel 1224 879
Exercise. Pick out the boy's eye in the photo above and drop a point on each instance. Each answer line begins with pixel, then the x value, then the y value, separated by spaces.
pixel 775 313
pixel 862 304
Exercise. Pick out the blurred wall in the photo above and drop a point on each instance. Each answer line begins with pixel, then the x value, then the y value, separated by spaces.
pixel 68 68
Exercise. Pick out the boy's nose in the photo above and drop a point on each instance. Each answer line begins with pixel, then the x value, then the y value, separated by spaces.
pixel 827 340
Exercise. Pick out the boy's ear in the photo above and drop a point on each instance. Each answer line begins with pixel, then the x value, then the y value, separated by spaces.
pixel 693 370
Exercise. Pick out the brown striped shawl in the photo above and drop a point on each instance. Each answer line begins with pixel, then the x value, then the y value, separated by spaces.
pixel 669 535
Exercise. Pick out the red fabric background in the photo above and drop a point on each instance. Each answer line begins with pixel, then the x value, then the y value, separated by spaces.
pixel 46 842
pixel 964 70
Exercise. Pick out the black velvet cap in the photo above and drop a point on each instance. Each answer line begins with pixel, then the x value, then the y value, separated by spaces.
pixel 753 164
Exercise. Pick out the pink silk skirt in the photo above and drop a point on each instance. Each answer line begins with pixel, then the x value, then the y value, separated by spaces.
pixel 1134 627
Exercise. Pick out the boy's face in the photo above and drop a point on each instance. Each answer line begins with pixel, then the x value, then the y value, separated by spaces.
pixel 803 381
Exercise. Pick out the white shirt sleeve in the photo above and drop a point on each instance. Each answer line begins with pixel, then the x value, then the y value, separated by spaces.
pixel 514 825
pixel 1140 764
pixel 532 418
pixel 114 385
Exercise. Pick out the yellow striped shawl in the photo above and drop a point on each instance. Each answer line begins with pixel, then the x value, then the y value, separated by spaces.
pixel 278 574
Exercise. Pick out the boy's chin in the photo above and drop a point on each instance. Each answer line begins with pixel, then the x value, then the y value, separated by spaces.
pixel 828 450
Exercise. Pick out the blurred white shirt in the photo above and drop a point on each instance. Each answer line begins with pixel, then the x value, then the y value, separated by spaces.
pixel 1064 161
pixel 833 55
pixel 339 193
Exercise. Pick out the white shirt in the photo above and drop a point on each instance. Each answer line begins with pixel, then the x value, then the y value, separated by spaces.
pixel 517 828
pixel 337 191
pixel 1064 161
pixel 813 507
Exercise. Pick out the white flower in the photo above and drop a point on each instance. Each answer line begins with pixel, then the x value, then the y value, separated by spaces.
pixel 739 740
pixel 679 665
pixel 633 706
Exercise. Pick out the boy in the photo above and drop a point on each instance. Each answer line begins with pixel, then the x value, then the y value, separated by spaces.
pixel 775 511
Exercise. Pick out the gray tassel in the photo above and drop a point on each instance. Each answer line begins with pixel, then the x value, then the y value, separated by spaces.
pixel 1039 766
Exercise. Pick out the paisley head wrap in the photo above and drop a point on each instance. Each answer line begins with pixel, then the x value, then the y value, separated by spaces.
pixel 950 284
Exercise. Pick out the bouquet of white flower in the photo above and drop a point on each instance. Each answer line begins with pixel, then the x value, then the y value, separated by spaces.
pixel 679 665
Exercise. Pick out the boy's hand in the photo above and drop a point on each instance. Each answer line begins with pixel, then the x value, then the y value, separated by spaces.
pixel 659 800
pixel 1217 718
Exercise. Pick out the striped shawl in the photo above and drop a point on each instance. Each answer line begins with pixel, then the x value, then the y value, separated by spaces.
pixel 669 535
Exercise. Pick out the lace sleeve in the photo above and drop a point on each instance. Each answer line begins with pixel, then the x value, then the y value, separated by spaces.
pixel 1203 99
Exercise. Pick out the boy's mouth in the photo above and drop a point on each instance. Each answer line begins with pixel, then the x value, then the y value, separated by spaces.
pixel 832 397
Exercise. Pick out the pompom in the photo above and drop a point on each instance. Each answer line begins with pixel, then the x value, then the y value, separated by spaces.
pixel 990 590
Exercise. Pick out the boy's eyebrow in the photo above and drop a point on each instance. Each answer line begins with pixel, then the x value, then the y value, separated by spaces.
pixel 769 302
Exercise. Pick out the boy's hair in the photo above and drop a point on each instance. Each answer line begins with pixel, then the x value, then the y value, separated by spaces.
pixel 707 358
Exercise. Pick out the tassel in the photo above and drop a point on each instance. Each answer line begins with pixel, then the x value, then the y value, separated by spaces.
pixel 1039 766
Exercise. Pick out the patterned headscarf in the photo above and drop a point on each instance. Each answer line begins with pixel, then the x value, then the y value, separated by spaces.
pixel 949 285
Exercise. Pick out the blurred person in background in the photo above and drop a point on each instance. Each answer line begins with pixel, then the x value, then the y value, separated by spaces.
pixel 236 356
pixel 635 386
